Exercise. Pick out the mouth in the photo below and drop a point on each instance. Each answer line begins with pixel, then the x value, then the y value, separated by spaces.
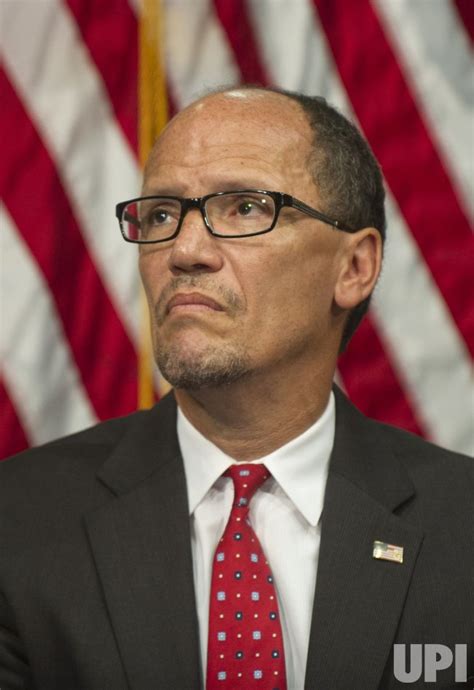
pixel 192 301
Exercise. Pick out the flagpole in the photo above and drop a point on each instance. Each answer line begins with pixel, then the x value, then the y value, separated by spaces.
pixel 152 118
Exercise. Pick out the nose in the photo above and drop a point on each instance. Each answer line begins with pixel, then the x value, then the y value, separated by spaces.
pixel 194 249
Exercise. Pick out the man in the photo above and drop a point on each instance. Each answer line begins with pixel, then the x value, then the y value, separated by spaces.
pixel 260 232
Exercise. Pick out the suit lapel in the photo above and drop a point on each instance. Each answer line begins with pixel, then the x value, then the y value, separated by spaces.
pixel 141 545
pixel 359 600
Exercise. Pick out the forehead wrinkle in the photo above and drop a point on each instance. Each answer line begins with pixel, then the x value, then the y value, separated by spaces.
pixel 215 153
pixel 209 175
pixel 210 154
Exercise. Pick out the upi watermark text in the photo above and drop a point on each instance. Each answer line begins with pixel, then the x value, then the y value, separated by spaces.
pixel 428 659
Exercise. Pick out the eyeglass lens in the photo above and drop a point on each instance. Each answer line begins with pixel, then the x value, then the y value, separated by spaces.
pixel 229 214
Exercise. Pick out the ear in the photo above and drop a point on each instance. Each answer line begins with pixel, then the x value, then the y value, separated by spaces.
pixel 360 267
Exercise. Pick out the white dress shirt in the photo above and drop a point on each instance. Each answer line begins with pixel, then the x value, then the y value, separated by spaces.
pixel 285 514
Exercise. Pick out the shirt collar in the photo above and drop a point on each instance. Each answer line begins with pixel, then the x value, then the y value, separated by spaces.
pixel 300 466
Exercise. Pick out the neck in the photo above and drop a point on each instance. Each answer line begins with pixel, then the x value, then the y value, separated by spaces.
pixel 253 417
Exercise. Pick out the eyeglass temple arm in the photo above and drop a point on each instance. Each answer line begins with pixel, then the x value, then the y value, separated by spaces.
pixel 291 201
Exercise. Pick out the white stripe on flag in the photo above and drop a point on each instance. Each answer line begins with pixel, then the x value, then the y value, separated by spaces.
pixel 295 54
pixel 67 101
pixel 198 54
pixel 38 367
pixel 423 341
pixel 435 53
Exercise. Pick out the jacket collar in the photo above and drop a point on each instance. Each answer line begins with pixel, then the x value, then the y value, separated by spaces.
pixel 360 454
pixel 364 456
pixel 149 445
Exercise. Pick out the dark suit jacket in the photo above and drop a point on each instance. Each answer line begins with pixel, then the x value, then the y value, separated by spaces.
pixel 96 580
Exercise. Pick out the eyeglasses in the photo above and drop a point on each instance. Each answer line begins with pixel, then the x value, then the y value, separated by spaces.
pixel 244 213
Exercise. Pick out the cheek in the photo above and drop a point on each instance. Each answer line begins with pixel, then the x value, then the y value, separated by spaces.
pixel 269 295
pixel 293 286
pixel 151 267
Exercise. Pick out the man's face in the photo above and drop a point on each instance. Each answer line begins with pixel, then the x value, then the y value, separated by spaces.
pixel 222 309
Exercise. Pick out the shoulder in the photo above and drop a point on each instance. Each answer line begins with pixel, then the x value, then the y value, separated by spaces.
pixel 379 457
pixel 443 482
pixel 69 466
pixel 83 450
pixel 371 435
pixel 44 491
pixel 421 457
pixel 44 488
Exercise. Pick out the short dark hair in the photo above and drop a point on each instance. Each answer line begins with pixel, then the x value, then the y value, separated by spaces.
pixel 346 173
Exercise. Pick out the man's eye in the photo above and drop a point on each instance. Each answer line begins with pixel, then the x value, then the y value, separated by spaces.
pixel 159 216
pixel 245 208
pixel 251 208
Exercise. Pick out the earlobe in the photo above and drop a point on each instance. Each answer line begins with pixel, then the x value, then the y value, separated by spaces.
pixel 360 268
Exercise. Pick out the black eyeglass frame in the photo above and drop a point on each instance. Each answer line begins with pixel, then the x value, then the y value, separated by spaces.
pixel 280 200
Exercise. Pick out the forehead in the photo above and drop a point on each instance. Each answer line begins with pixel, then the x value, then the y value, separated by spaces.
pixel 234 133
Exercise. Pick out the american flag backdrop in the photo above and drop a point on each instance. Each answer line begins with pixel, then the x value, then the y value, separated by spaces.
pixel 71 315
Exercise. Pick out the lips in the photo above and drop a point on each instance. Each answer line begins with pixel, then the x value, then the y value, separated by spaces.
pixel 192 299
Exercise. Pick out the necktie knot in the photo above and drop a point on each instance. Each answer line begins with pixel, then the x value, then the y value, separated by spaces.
pixel 247 479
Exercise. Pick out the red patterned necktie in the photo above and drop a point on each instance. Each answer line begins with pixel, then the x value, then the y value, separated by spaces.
pixel 245 648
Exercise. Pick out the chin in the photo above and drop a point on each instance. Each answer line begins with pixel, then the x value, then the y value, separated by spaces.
pixel 205 367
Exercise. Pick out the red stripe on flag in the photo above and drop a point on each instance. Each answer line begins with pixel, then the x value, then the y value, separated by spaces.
pixel 110 31
pixel 12 435
pixel 233 16
pixel 36 200
pixel 466 12
pixel 415 174
pixel 372 384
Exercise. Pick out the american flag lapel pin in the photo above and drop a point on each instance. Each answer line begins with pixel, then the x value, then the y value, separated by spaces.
pixel 387 552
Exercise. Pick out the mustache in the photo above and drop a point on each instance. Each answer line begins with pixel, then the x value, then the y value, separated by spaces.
pixel 228 298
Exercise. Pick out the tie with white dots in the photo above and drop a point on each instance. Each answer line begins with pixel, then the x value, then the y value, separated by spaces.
pixel 245 647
